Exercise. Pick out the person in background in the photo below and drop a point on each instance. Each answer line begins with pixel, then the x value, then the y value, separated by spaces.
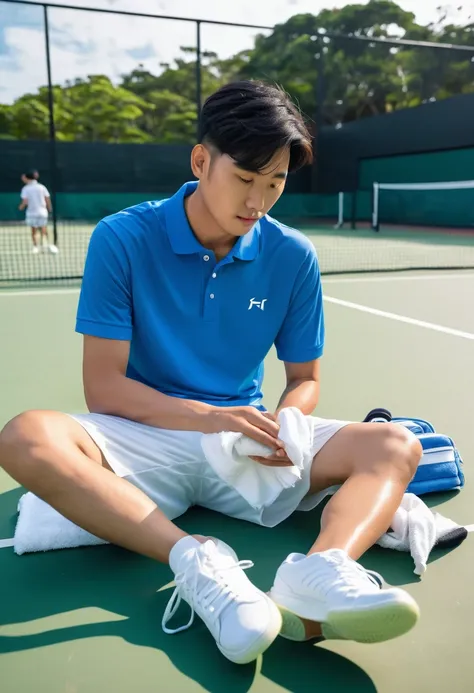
pixel 36 199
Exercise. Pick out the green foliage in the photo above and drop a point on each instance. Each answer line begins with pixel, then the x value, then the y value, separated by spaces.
pixel 360 79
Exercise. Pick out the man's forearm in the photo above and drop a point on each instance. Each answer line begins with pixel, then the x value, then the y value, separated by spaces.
pixel 130 399
pixel 302 394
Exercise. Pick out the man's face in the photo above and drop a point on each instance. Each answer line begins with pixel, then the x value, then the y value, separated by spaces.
pixel 24 179
pixel 235 198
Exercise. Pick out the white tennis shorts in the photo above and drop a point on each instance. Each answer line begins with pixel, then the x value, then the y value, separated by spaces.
pixel 36 220
pixel 170 468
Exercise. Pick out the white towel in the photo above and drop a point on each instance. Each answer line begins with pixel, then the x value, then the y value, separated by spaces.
pixel 41 528
pixel 417 529
pixel 229 455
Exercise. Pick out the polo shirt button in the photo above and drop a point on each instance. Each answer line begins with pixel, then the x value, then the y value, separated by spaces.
pixel 214 275
pixel 206 258
pixel 211 296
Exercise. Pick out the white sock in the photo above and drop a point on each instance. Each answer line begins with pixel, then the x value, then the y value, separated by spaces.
pixel 179 549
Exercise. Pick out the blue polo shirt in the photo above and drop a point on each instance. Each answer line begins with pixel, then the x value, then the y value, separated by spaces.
pixel 198 328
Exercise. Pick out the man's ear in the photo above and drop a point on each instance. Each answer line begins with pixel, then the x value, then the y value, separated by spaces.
pixel 200 160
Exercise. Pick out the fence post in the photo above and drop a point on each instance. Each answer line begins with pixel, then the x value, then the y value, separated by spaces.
pixel 198 75
pixel 52 127
pixel 319 114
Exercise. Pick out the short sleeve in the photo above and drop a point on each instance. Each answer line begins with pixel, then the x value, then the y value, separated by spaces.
pixel 45 191
pixel 105 302
pixel 301 337
pixel 24 193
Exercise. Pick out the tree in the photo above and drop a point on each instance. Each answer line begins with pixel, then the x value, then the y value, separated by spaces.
pixel 360 78
pixel 173 93
pixel 86 110
pixel 28 117
pixel 95 109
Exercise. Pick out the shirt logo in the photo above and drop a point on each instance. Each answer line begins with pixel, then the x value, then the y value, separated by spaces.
pixel 257 304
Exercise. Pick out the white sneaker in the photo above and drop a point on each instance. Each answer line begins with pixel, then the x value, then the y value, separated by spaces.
pixel 243 620
pixel 53 249
pixel 35 250
pixel 347 600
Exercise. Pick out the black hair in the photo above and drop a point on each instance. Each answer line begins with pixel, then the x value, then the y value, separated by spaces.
pixel 250 121
pixel 32 175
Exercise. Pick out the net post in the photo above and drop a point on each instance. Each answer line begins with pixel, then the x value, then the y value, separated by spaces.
pixel 52 127
pixel 375 207
pixel 340 210
pixel 354 210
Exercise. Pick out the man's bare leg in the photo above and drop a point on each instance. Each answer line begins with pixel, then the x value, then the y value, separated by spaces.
pixel 53 456
pixel 34 237
pixel 374 463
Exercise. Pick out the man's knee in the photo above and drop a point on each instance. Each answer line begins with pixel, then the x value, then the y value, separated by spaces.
pixel 23 435
pixel 399 449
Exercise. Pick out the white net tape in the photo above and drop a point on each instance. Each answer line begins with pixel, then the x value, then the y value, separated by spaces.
pixel 447 185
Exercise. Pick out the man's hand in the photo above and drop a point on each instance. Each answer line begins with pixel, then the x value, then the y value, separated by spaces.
pixel 279 459
pixel 260 426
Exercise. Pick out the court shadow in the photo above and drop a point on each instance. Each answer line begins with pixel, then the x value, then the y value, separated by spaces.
pixel 8 511
pixel 432 500
pixel 396 567
pixel 67 583
pixel 302 667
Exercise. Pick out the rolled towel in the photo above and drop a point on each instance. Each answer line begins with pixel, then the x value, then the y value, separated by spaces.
pixel 41 528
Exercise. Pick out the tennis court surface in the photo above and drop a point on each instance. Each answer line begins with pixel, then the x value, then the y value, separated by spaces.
pixel 88 620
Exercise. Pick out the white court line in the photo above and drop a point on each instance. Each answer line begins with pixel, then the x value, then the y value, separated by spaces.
pixel 395 278
pixel 5 543
pixel 400 318
pixel 38 292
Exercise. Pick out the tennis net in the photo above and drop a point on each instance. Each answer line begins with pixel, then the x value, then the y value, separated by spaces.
pixel 449 203
pixel 21 261
pixel 341 248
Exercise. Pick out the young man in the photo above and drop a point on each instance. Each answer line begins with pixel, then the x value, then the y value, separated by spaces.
pixel 180 303
pixel 36 199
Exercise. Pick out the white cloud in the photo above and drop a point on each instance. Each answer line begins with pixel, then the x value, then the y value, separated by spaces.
pixel 87 42
pixel 29 68
pixel 84 43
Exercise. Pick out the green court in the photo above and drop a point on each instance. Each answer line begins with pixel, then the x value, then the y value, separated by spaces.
pixel 88 620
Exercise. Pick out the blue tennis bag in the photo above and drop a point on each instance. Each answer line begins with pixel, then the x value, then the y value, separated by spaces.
pixel 441 466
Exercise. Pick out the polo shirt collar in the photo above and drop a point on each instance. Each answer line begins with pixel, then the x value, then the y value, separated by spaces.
pixel 248 246
pixel 184 242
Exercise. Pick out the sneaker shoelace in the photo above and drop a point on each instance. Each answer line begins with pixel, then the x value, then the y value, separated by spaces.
pixel 352 574
pixel 216 587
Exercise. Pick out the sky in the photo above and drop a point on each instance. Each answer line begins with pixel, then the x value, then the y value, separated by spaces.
pixel 85 43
